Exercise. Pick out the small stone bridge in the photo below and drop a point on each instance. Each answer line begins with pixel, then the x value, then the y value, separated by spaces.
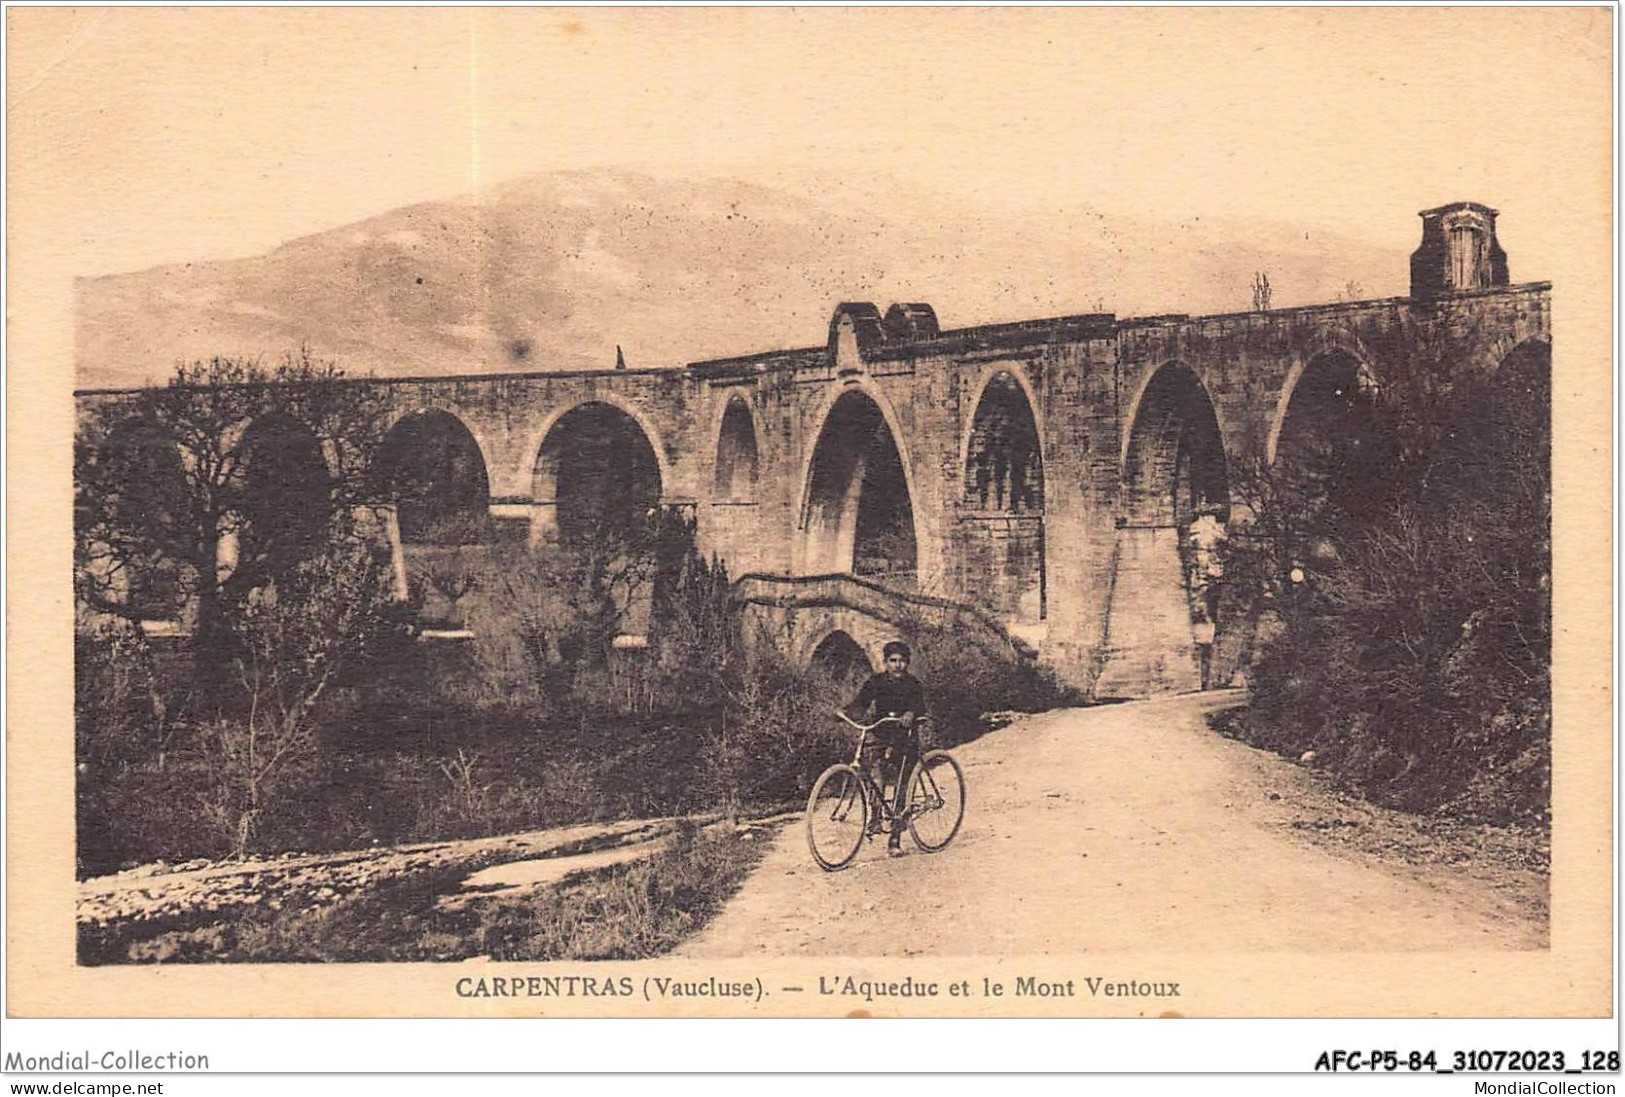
pixel 1026 483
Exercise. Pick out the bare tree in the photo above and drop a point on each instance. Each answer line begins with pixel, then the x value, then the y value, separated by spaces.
pixel 190 496
pixel 294 640
pixel 1261 291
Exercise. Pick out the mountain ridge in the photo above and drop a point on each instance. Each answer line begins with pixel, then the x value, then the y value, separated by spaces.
pixel 554 271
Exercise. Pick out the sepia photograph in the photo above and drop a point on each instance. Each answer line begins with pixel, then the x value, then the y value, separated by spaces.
pixel 829 512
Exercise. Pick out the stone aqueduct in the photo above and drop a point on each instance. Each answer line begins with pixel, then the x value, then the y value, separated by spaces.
pixel 1027 478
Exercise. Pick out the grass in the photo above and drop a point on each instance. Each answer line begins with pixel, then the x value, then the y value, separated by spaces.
pixel 626 912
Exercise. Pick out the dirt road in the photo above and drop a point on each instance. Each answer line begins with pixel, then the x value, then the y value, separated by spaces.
pixel 1121 828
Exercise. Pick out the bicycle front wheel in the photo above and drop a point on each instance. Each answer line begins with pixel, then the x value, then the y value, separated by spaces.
pixel 837 817
pixel 936 800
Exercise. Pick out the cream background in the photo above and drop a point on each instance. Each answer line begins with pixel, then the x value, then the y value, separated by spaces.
pixel 145 136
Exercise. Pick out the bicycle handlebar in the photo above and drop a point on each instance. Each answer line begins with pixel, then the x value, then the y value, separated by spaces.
pixel 865 729
pixel 868 727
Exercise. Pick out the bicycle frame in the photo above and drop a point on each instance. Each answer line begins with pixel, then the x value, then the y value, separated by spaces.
pixel 863 732
pixel 846 787
pixel 877 794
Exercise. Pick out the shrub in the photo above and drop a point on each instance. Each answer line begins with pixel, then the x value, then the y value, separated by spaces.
pixel 773 738
pixel 294 639
pixel 1414 658
pixel 121 715
pixel 963 682
pixel 337 744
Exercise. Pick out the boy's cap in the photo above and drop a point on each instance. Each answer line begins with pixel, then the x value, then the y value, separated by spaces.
pixel 896 647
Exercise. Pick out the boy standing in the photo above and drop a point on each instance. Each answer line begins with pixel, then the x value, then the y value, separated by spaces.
pixel 896 693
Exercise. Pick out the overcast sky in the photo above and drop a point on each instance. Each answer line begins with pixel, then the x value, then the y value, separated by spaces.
pixel 144 136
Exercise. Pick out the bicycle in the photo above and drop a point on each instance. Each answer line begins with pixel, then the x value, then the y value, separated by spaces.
pixel 846 807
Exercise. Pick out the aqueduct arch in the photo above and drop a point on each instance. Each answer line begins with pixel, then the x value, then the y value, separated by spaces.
pixel 284 495
pixel 597 475
pixel 430 468
pixel 841 659
pixel 1003 505
pixel 1174 471
pixel 737 458
pixel 1174 461
pixel 143 460
pixel 1325 416
pixel 1004 462
pixel 858 513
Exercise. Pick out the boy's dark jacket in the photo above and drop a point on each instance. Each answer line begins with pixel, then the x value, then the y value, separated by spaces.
pixel 890 696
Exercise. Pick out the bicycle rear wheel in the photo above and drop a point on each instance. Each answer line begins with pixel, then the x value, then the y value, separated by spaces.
pixel 936 800
pixel 837 817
